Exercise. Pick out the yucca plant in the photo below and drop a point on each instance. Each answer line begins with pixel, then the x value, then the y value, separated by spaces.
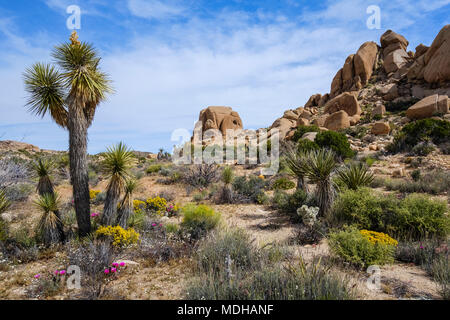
pixel 319 166
pixel 71 95
pixel 294 160
pixel 227 191
pixel 125 210
pixel 354 176
pixel 116 165
pixel 4 202
pixel 43 170
pixel 50 225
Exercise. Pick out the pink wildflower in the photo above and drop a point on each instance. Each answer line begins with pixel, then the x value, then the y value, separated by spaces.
pixel 37 276
pixel 113 270
pixel 62 272
pixel 106 271
pixel 122 264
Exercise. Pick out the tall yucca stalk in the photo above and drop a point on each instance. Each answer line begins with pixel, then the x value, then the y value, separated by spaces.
pixel 49 224
pixel 45 187
pixel 117 163
pixel 71 95
pixel 318 167
pixel 355 175
pixel 125 210
pixel 295 160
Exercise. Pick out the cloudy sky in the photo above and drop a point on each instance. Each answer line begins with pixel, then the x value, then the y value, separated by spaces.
pixel 170 59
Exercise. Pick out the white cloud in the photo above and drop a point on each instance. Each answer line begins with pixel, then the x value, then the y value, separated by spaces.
pixel 155 9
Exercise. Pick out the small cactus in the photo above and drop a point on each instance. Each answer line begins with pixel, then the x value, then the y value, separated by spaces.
pixel 308 215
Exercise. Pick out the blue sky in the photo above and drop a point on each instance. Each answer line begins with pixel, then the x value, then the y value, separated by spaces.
pixel 170 59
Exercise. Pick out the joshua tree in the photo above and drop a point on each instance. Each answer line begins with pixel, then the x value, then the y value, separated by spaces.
pixel 318 166
pixel 117 163
pixel 45 187
pixel 126 205
pixel 71 95
pixel 227 178
pixel 355 175
pixel 294 160
pixel 49 225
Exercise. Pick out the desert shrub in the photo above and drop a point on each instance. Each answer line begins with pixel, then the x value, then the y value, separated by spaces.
pixel 301 130
pixel 93 194
pixel 370 161
pixel 434 182
pixel 198 220
pixel 398 106
pixel 335 141
pixel 118 236
pixel 361 247
pixel 45 286
pixel 167 194
pixel 13 170
pixel 157 205
pixel 415 175
pixel 4 229
pixel 414 133
pixel 93 257
pixel 249 189
pixel 415 217
pixel 202 175
pixel 306 145
pixel 155 168
pixel 18 192
pixel 289 203
pixel 283 184
pixel 422 149
pixel 230 267
pixel 431 255
pixel 93 178
pixel 357 132
pixel 312 235
pixel 20 247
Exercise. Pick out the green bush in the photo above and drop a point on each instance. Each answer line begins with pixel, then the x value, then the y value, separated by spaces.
pixel 250 189
pixel 198 220
pixel 301 130
pixel 289 203
pixel 283 184
pixel 155 168
pixel 415 217
pixel 305 145
pixel 352 246
pixel 335 141
pixel 433 182
pixel 414 133
pixel 3 230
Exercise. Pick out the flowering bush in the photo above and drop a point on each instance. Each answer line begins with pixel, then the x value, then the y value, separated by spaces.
pixel 93 194
pixel 363 248
pixel 138 205
pixel 157 204
pixel 198 220
pixel 172 210
pixel 120 237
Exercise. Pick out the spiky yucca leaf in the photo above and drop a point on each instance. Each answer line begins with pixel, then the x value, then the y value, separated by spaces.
pixel 4 202
pixel 294 160
pixel 227 175
pixel 355 175
pixel 125 210
pixel 47 92
pixel 50 225
pixel 43 169
pixel 117 163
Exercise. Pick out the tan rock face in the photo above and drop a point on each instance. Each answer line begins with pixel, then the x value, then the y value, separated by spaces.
pixel 313 101
pixel 390 37
pixel 395 60
pixel 421 49
pixel 337 121
pixel 284 125
pixel 221 118
pixel 320 120
pixel 380 128
pixel 302 122
pixel 425 108
pixel 437 58
pixel 345 101
pixel 311 136
pixel 364 61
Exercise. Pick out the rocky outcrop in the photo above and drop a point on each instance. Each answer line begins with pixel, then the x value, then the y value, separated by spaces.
pixel 428 107
pixel 8 145
pixel 433 66
pixel 337 121
pixel 345 101
pixel 357 70
pixel 221 118
pixel 394 51
pixel 284 126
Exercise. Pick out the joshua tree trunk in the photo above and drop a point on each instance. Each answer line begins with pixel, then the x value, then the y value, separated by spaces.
pixel 124 213
pixel 78 126
pixel 111 201
pixel 301 184
pixel 325 193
